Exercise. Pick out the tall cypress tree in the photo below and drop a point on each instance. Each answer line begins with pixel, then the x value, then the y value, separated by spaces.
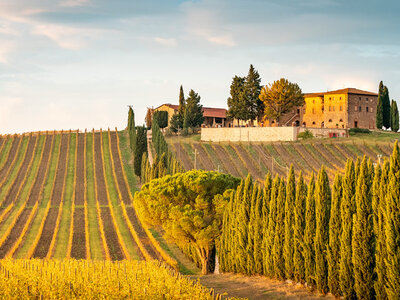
pixel 258 232
pixel 347 208
pixel 392 227
pixel 386 107
pixel 181 109
pixel 131 128
pixel 277 250
pixel 298 232
pixel 394 117
pixel 141 147
pixel 322 212
pixel 265 214
pixel 270 234
pixel 234 246
pixel 379 188
pixel 309 234
pixel 289 224
pixel 379 107
pixel 251 232
pixel 335 228
pixel 363 237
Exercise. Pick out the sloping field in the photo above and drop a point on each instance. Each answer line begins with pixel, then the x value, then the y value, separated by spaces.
pixel 69 195
pixel 257 159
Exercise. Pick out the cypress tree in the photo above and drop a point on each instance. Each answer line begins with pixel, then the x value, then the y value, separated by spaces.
pixel 309 234
pixel 288 248
pixel 379 107
pixel 394 117
pixel 234 246
pixel 251 232
pixel 143 172
pixel 363 237
pixel 265 218
pixel 131 129
pixel 181 109
pixel 392 227
pixel 335 228
pixel 270 234
pixel 386 107
pixel 322 212
pixel 258 232
pixel 378 207
pixel 141 147
pixel 347 209
pixel 277 250
pixel 299 227
pixel 243 223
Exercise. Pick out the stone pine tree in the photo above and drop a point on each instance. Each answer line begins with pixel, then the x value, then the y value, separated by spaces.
pixel 379 107
pixel 141 147
pixel 252 89
pixel 194 109
pixel 237 104
pixel 347 208
pixel 363 237
pixel 386 107
pixel 309 234
pixel 335 228
pixel 289 224
pixel 392 227
pixel 322 214
pixel 394 117
pixel 277 250
pixel 379 187
pixel 270 234
pixel 298 231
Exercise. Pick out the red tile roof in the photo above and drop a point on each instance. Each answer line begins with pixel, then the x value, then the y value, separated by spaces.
pixel 207 111
pixel 342 91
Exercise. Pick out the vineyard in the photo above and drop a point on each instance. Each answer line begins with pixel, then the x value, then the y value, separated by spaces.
pixel 256 159
pixel 69 195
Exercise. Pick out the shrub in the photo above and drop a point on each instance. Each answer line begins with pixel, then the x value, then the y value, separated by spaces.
pixel 354 131
pixel 305 135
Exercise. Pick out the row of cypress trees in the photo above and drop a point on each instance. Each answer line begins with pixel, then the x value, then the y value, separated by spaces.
pixel 387 113
pixel 343 239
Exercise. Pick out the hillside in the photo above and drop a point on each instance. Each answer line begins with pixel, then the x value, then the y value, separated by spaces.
pixel 257 159
pixel 69 194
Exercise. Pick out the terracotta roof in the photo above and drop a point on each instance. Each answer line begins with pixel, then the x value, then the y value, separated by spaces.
pixel 342 91
pixel 207 111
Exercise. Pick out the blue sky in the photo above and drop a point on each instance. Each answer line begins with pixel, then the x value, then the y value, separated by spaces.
pixel 79 63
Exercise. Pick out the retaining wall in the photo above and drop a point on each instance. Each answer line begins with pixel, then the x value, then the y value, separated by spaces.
pixel 252 134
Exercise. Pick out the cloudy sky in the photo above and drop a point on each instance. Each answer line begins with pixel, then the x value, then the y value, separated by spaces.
pixel 79 63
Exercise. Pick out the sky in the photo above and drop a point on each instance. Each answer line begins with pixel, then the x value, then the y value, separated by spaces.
pixel 76 64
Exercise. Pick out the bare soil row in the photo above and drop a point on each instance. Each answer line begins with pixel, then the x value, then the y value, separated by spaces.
pixel 11 156
pixel 80 170
pixel 78 250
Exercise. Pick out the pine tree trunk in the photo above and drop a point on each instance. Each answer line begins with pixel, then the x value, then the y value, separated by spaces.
pixel 205 257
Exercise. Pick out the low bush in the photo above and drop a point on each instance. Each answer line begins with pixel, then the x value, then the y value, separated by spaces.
pixel 305 135
pixel 354 131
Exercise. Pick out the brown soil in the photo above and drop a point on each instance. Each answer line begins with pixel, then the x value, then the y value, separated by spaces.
pixel 267 160
pixel 388 149
pixel 250 164
pixel 111 235
pixel 40 176
pixel 101 184
pixel 80 170
pixel 140 232
pixel 47 234
pixel 61 172
pixel 345 151
pixel 257 287
pixel 15 232
pixel 314 165
pixel 183 156
pixel 226 161
pixel 78 249
pixel 335 153
pixel 22 173
pixel 286 156
pixel 324 154
pixel 203 158
pixel 384 149
pixel 11 155
pixel 118 169
pixel 367 151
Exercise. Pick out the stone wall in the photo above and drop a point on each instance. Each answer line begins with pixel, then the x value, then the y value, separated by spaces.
pixel 325 132
pixel 252 134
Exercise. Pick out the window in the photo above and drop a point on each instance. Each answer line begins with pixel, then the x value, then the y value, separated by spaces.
pixel 333 108
pixel 341 120
pixel 366 109
pixel 298 111
pixel 371 109
pixel 330 121
pixel 330 98
pixel 359 108
pixel 355 124
pixel 313 123
pixel 340 98
pixel 359 98
pixel 366 99
pixel 341 108
pixel 329 108
pixel 355 108
pixel 313 110
pixel 313 101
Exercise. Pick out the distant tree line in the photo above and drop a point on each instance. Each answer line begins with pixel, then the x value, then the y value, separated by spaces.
pixel 387 113
pixel 342 239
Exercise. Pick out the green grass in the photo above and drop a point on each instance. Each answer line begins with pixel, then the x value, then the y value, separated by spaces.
pixel 6 151
pixel 127 160
pixel 271 150
pixel 212 155
pixel 238 163
pixel 14 169
pixel 114 199
pixel 45 198
pixel 189 150
pixel 332 149
pixel 290 149
pixel 354 149
pixel 256 157
pixel 61 246
pixel 96 246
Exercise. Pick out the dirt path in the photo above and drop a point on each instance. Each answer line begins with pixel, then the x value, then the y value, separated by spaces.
pixel 80 170
pixel 113 245
pixel 39 181
pixel 78 250
pixel 256 287
pixel 101 184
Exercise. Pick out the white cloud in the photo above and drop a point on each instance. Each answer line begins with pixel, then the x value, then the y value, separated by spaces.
pixel 224 40
pixel 6 48
pixel 74 3
pixel 171 42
